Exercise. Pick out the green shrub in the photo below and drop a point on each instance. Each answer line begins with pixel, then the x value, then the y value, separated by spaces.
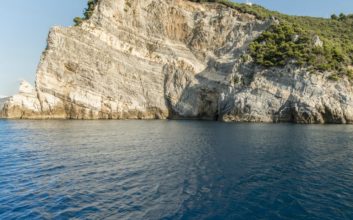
pixel 276 46
pixel 334 17
pixel 78 21
pixel 91 4
pixel 334 77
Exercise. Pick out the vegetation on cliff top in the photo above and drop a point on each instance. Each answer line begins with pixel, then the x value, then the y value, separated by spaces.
pixel 87 13
pixel 319 43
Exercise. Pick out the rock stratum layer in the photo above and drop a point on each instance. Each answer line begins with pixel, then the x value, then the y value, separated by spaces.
pixel 158 59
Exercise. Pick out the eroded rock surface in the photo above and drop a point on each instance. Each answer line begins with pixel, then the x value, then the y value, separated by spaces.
pixel 157 59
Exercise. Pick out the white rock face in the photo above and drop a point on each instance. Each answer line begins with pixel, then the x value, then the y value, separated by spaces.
pixel 2 102
pixel 22 105
pixel 318 42
pixel 148 59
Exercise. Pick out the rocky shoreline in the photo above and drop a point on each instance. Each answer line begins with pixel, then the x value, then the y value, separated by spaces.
pixel 159 59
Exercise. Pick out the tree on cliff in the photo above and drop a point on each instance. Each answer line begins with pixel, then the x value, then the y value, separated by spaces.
pixel 91 4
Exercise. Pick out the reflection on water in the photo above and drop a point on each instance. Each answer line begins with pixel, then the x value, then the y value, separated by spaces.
pixel 174 170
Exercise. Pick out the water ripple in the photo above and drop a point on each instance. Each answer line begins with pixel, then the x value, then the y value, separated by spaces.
pixel 174 170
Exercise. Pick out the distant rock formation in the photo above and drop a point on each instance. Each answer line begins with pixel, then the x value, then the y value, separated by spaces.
pixel 158 59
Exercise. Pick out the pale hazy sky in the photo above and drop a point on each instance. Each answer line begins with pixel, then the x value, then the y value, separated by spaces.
pixel 25 24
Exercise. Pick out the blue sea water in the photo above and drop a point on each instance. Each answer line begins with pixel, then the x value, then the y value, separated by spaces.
pixel 174 170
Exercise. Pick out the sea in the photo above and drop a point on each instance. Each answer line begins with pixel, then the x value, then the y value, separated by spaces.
pixel 165 169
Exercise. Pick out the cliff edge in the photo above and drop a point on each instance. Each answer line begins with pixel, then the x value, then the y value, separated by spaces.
pixel 158 59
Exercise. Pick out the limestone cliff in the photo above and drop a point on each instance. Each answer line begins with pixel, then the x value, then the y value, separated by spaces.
pixel 148 59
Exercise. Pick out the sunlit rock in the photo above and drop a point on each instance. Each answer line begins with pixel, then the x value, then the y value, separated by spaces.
pixel 157 59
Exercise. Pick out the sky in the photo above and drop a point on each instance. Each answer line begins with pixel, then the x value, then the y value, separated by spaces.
pixel 24 29
pixel 25 25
